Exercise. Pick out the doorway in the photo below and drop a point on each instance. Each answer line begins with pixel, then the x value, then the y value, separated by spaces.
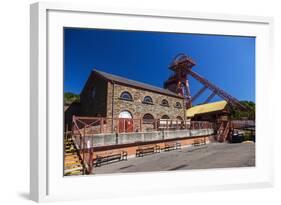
pixel 126 123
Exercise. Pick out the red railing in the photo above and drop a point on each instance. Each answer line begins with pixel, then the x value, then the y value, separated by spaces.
pixel 201 125
pixel 87 126
pixel 236 124
pixel 84 149
pixel 225 130
pixel 219 131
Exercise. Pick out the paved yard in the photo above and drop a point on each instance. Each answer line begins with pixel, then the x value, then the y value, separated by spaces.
pixel 209 156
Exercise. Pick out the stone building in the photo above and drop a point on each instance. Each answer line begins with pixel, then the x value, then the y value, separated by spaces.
pixel 110 96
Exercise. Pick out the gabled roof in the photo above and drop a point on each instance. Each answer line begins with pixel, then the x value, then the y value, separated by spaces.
pixel 206 108
pixel 133 83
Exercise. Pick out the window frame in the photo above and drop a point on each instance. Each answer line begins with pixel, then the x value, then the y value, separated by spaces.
pixel 144 121
pixel 126 99
pixel 178 105
pixel 179 118
pixel 163 104
pixel 146 102
pixel 165 118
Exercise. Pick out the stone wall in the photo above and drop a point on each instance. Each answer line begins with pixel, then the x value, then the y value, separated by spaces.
pixel 137 108
pixel 104 104
pixel 94 106
pixel 129 138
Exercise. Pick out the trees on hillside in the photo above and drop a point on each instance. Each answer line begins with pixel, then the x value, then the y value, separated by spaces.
pixel 70 98
pixel 237 114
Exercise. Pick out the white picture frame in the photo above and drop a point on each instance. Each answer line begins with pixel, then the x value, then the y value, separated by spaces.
pixel 46 139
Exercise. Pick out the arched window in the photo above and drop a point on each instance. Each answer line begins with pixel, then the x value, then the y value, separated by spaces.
pixel 179 118
pixel 180 123
pixel 125 114
pixel 165 103
pixel 147 100
pixel 148 118
pixel 178 105
pixel 165 117
pixel 126 96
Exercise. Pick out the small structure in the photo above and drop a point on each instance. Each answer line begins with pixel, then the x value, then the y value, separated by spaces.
pixel 217 113
pixel 212 112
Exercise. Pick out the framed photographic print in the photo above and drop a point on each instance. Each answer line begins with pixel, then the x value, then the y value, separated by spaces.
pixel 129 102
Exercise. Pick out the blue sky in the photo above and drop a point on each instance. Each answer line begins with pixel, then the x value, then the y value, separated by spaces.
pixel 227 61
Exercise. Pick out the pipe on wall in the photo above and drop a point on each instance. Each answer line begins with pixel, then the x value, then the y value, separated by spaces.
pixel 112 106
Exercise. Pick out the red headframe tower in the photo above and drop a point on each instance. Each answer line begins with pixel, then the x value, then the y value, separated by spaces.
pixel 178 83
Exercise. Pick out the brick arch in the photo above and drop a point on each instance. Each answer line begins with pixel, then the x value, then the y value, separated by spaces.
pixel 148 99
pixel 125 121
pixel 126 95
pixel 179 118
pixel 148 118
pixel 178 105
pixel 165 102
pixel 125 114
pixel 165 117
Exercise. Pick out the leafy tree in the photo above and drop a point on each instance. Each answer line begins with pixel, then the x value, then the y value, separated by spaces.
pixel 250 113
pixel 70 98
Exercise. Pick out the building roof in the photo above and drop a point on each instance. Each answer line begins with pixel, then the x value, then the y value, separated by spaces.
pixel 206 108
pixel 134 83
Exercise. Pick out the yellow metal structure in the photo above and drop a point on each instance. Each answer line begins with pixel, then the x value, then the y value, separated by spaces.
pixel 205 108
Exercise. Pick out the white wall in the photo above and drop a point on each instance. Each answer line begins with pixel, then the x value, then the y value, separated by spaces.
pixel 14 81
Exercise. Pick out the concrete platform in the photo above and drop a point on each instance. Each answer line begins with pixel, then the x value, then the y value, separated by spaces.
pixel 215 155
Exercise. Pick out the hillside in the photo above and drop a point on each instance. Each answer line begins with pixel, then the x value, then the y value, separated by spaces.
pixel 70 98
pixel 249 114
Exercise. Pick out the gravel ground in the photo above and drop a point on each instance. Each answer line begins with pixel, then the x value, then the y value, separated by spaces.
pixel 215 155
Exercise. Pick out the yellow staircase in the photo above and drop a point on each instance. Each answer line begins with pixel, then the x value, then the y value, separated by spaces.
pixel 72 162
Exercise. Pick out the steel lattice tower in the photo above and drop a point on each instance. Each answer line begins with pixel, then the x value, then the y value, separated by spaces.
pixel 178 83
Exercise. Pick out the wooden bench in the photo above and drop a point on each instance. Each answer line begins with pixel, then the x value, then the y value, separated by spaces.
pixel 171 146
pixel 110 157
pixel 148 149
pixel 199 142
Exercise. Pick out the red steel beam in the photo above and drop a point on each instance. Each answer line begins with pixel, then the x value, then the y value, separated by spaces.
pixel 217 90
pixel 198 93
pixel 210 97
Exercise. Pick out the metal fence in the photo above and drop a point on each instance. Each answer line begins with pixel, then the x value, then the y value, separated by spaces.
pixel 96 125
pixel 240 124
pixel 83 127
